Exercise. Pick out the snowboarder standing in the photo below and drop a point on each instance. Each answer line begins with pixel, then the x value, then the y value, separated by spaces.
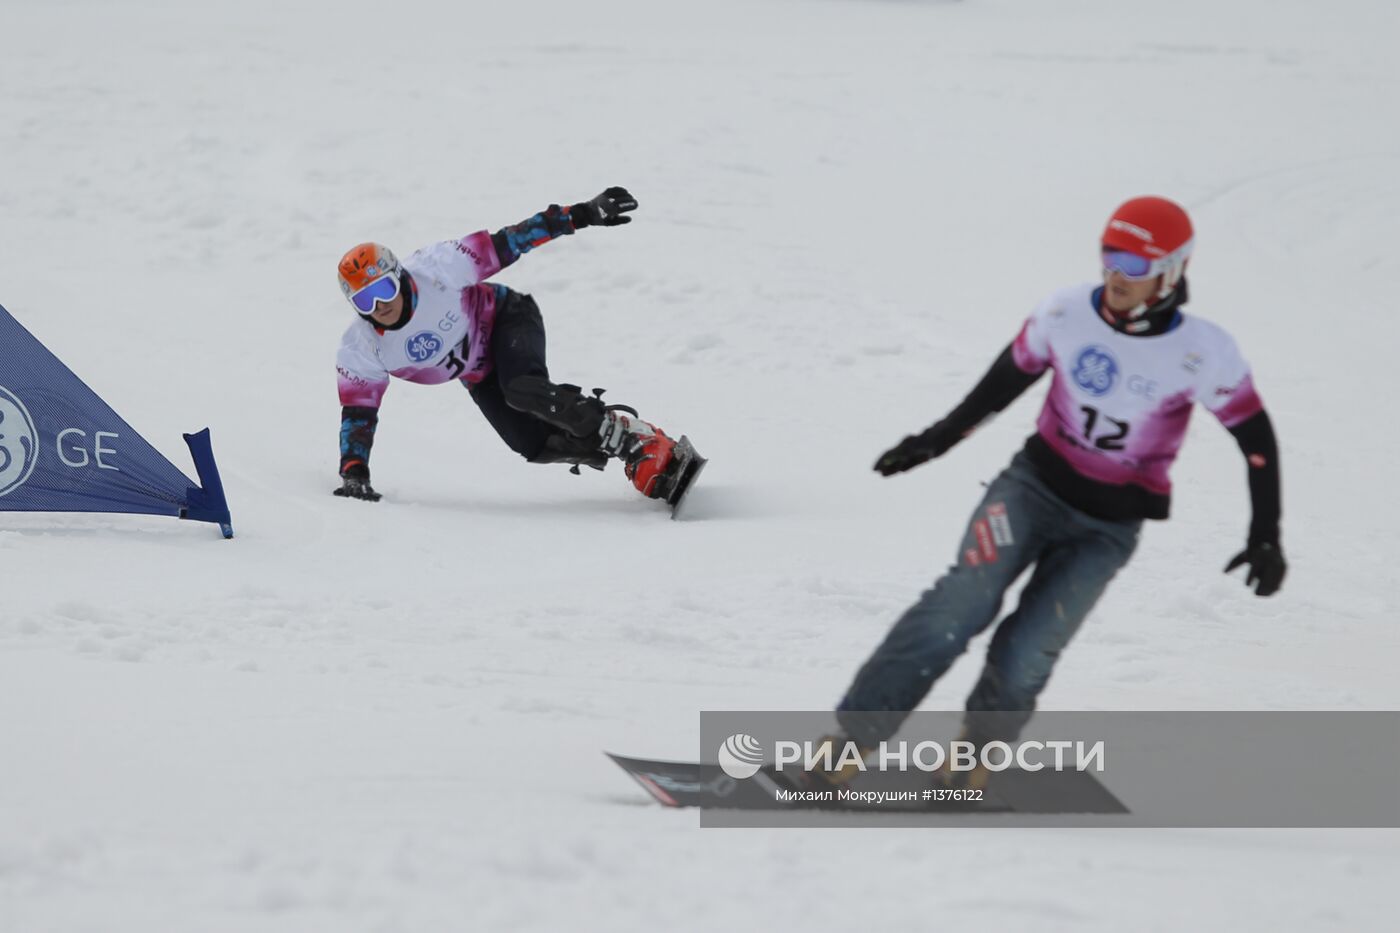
pixel 433 319
pixel 1128 365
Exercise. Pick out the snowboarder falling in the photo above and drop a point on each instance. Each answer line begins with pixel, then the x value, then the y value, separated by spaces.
pixel 433 319
pixel 1128 365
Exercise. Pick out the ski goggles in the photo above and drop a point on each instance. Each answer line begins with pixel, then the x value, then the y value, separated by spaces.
pixel 385 288
pixel 1129 265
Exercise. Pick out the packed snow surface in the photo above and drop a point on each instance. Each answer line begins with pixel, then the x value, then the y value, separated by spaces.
pixel 391 717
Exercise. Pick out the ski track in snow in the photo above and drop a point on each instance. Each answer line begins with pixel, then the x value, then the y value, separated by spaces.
pixel 391 717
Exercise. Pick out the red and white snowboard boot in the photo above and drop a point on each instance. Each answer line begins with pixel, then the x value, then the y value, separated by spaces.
pixel 644 449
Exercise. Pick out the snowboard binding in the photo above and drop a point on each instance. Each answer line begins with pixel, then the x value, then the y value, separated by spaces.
pixel 658 466
pixel 589 433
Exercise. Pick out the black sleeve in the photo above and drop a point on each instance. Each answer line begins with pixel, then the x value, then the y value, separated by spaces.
pixel 1001 386
pixel 1257 442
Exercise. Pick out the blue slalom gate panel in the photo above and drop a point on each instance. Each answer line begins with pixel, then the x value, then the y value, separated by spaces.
pixel 63 449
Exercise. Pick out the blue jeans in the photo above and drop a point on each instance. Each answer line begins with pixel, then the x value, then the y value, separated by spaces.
pixel 1020 522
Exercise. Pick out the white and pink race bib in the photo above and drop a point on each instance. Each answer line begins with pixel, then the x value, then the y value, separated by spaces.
pixel 1119 405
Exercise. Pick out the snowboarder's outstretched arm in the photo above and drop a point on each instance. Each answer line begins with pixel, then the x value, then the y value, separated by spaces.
pixel 362 381
pixel 608 209
pixel 1227 390
pixel 357 426
pixel 1263 551
pixel 1001 386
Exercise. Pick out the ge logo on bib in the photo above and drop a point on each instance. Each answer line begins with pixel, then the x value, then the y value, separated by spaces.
pixel 423 346
pixel 1095 371
pixel 19 442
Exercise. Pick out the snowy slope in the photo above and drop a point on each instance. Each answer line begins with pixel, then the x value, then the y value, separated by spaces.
pixel 846 210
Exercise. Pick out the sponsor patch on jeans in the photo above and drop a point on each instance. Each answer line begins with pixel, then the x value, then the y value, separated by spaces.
pixel 972 557
pixel 1001 525
pixel 985 545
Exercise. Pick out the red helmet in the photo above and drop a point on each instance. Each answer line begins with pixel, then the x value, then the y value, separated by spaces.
pixel 1155 229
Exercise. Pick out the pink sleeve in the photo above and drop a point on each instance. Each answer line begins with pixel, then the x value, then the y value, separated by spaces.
pixel 480 254
pixel 360 377
pixel 1228 390
pixel 356 390
pixel 1031 348
pixel 1235 404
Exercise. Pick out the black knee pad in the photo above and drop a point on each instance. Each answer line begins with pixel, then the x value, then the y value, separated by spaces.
pixel 564 406
pixel 563 448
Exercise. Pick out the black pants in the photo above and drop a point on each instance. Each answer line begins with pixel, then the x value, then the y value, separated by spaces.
pixel 517 349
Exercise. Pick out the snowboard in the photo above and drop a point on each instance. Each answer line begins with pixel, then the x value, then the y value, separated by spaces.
pixel 685 468
pixel 691 784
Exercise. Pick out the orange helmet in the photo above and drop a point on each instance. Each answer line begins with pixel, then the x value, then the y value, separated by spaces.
pixel 369 273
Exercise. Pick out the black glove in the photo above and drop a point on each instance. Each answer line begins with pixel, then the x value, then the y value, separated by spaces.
pixel 354 484
pixel 915 449
pixel 606 210
pixel 1266 565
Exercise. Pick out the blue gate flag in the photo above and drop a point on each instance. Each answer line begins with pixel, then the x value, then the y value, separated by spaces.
pixel 63 449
